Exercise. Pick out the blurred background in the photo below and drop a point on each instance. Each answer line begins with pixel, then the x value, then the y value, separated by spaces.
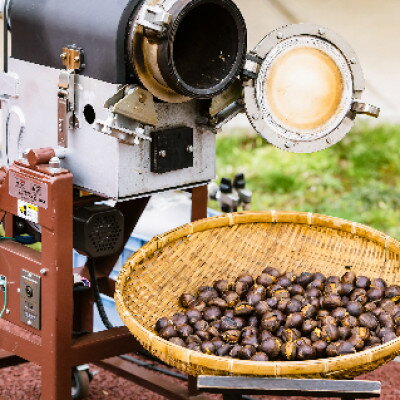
pixel 358 179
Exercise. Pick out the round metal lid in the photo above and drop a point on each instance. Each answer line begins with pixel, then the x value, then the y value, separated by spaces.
pixel 303 82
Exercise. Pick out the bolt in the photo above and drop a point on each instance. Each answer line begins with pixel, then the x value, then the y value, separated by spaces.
pixel 44 271
pixel 63 56
pixel 29 322
pixel 328 140
pixel 279 35
pixel 25 154
pixel 353 61
pixel 189 149
pixel 162 153
pixel 54 163
pixel 142 98
pixel 288 145
pixel 7 311
pixel 18 290
pixel 77 59
pixel 321 31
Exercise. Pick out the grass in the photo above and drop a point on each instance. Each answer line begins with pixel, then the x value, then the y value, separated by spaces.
pixel 357 179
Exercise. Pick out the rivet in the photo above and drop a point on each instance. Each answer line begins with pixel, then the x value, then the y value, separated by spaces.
pixel 29 322
pixel 328 140
pixel 353 61
pixel 279 35
pixel 44 271
pixel 54 163
pixel 162 153
pixel 189 149
pixel 142 98
pixel 321 31
pixel 63 56
pixel 288 145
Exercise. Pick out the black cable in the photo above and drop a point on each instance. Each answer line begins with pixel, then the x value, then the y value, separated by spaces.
pixel 96 294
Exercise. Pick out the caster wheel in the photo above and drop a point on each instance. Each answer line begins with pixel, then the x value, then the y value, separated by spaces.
pixel 81 378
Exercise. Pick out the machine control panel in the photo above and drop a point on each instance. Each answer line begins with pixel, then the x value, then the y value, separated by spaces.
pixel 30 299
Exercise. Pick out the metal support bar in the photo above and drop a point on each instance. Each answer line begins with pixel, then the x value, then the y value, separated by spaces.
pixel 233 387
pixel 147 379
pixel 9 359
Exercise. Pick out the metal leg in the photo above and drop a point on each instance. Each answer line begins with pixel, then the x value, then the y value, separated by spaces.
pixel 56 381
pixel 199 202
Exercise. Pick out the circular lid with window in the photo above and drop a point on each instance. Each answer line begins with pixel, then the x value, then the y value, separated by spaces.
pixel 302 88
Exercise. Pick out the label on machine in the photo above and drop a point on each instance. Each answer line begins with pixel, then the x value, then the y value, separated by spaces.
pixel 28 211
pixel 29 190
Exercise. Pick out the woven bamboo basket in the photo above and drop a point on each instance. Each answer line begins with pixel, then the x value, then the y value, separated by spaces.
pixel 223 247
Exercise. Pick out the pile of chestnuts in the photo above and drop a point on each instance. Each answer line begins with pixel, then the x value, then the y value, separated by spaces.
pixel 286 316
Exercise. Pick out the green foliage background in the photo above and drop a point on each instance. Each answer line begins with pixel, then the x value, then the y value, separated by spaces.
pixel 357 179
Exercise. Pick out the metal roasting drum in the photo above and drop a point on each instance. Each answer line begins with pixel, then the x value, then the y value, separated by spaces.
pixel 131 94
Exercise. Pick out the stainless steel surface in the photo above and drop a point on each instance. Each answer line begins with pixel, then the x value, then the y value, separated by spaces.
pixel 101 163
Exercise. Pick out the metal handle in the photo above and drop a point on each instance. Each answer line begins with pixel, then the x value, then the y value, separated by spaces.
pixel 364 108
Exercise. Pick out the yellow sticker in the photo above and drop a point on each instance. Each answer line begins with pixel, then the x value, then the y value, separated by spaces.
pixel 28 211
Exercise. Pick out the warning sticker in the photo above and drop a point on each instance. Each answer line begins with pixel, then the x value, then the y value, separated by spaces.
pixel 28 211
pixel 29 189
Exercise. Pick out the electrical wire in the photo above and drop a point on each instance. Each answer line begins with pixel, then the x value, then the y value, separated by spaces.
pixel 96 294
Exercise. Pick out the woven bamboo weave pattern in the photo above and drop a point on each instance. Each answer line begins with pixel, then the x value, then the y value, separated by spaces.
pixel 223 247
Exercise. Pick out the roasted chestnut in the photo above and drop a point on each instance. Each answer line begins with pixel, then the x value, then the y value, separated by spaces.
pixel 329 333
pixel 308 326
pixel 357 342
pixel 185 331
pixel 211 313
pixel 378 283
pixel 320 348
pixel 272 271
pixel 296 290
pixel 186 299
pixel 393 292
pixel 290 335
pixel 243 309
pixel 270 324
pixel 332 301
pixel 232 336
pixel 253 298
pixel 355 308
pixel 294 320
pixel 306 352
pixel 228 324
pixel 349 277
pixel 368 320
pixel 345 348
pixel 252 321
pixel 203 335
pixel 168 332
pixel 266 280
pixel 231 299
pixel 221 286
pixel 259 356
pixel 350 321
pixel 284 281
pixel 178 341
pixel 304 279
pixel 223 350
pixel 246 352
pixel 206 293
pixel 309 311
pixel 234 353
pixel 293 306
pixel 344 332
pixel 250 340
pixel 246 278
pixel 375 293
pixel 362 282
pixel 271 347
pixel 241 288
pixel 162 323
pixel 289 351
pixel 198 305
pixel 339 313
pixel 218 302
pixel 208 348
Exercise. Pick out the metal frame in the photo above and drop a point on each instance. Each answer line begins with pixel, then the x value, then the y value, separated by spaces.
pixel 251 94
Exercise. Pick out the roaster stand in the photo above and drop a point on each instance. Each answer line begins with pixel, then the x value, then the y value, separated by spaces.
pixel 64 311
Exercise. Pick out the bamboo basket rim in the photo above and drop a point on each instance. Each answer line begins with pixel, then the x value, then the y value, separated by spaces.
pixel 231 366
